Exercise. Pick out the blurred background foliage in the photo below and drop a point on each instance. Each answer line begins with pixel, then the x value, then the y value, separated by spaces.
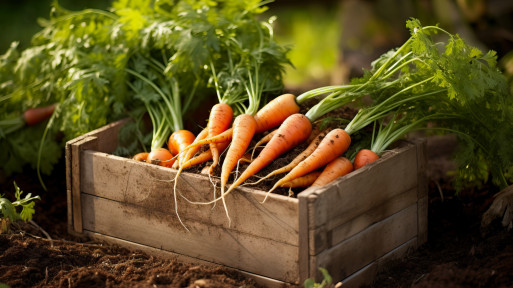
pixel 332 40
pixel 19 19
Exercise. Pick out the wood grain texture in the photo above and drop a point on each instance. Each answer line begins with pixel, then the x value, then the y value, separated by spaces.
pixel 366 275
pixel 363 189
pixel 157 252
pixel 367 246
pixel 151 186
pixel 351 227
pixel 211 243
pixel 89 142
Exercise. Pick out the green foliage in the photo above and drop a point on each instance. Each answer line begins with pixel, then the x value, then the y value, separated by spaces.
pixel 8 209
pixel 434 77
pixel 326 281
pixel 103 65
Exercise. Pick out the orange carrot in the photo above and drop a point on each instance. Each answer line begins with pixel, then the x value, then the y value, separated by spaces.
pixel 303 181
pixel 275 112
pixel 203 157
pixel 336 168
pixel 268 117
pixel 191 152
pixel 294 130
pixel 364 157
pixel 219 120
pixel 302 156
pixel 334 144
pixel 162 157
pixel 141 156
pixel 243 130
pixel 34 116
pixel 178 141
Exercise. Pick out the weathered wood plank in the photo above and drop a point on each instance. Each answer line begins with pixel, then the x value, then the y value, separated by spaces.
pixel 422 188
pixel 366 275
pixel 259 279
pixel 422 219
pixel 304 257
pixel 215 244
pixel 365 247
pixel 361 190
pixel 89 142
pixel 108 136
pixel 150 186
pixel 366 219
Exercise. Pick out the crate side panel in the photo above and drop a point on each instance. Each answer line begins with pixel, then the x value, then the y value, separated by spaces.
pixel 216 244
pixel 371 216
pixel 151 186
pixel 322 239
pixel 366 188
pixel 108 136
pixel 367 274
pixel 423 219
pixel 365 247
pixel 259 279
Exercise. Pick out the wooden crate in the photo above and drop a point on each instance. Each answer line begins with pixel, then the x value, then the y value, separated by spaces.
pixel 352 227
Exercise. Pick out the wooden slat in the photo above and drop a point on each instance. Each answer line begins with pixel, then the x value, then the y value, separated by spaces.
pixel 69 180
pixel 371 216
pixel 77 147
pixel 357 193
pixel 108 136
pixel 368 187
pixel 105 141
pixel 304 244
pixel 422 220
pixel 259 279
pixel 367 246
pixel 216 244
pixel 422 187
pixel 421 145
pixel 366 275
pixel 147 185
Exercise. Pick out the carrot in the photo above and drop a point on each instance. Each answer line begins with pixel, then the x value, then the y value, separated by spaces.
pixel 191 152
pixel 336 168
pixel 243 130
pixel 294 130
pixel 33 116
pixel 268 117
pixel 203 157
pixel 141 156
pixel 302 156
pixel 162 157
pixel 178 141
pixel 303 181
pixel 332 145
pixel 219 120
pixel 275 112
pixel 364 157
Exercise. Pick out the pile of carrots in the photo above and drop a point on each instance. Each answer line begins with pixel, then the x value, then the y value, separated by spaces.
pixel 284 129
pixel 409 87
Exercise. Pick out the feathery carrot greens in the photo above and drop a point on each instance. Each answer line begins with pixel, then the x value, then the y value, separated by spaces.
pixel 89 61
pixel 436 74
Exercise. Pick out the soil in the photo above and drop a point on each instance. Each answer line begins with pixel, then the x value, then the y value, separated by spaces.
pixel 457 254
